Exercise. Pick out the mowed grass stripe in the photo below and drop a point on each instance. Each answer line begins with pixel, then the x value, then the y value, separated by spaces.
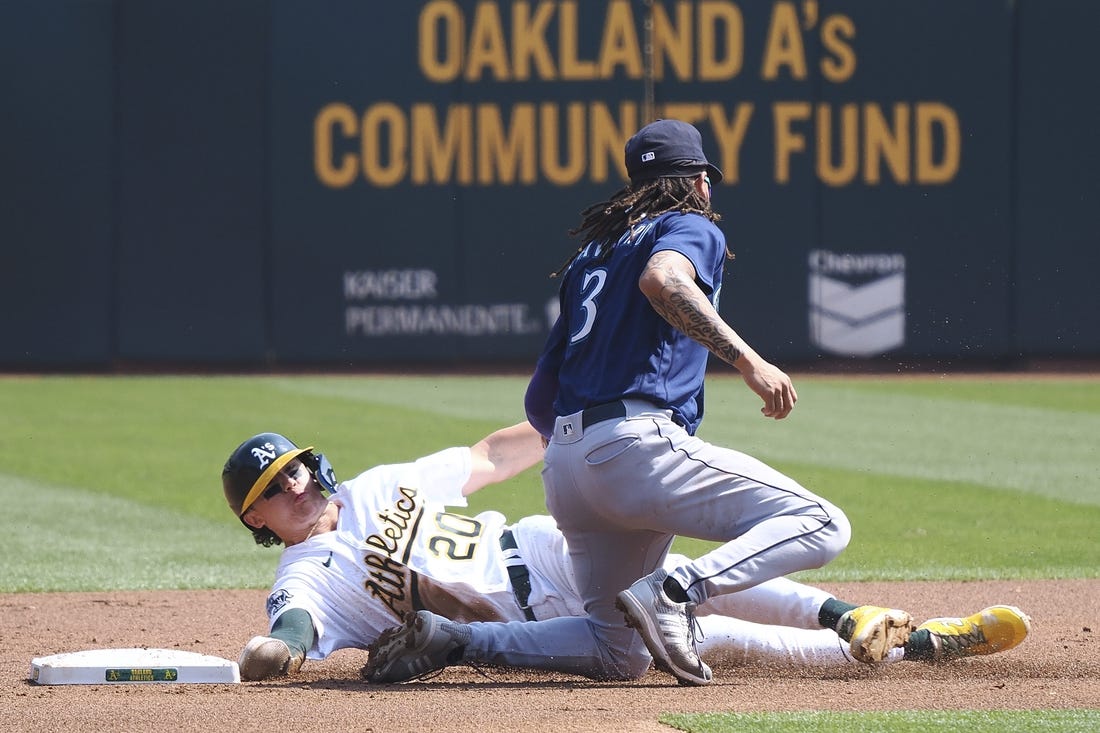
pixel 883 428
pixel 918 529
pixel 64 539
pixel 900 721
pixel 930 477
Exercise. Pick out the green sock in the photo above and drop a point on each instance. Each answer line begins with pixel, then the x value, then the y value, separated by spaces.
pixel 831 611
pixel 295 628
pixel 919 647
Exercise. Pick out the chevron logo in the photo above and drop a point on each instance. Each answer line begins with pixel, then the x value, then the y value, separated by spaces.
pixel 857 303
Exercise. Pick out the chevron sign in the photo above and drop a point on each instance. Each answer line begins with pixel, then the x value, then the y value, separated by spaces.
pixel 857 302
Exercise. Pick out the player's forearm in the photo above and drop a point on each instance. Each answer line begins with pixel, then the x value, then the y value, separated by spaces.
pixel 295 628
pixel 672 292
pixel 680 302
pixel 502 455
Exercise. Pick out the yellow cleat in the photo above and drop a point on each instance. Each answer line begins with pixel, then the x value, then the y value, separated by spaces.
pixel 872 631
pixel 991 630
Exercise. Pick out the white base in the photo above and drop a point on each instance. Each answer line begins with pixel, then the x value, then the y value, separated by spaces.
pixel 131 666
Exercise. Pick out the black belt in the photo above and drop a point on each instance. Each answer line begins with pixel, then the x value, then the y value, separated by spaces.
pixel 599 413
pixel 517 572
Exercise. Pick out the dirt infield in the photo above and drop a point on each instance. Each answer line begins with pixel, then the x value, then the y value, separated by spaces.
pixel 1057 667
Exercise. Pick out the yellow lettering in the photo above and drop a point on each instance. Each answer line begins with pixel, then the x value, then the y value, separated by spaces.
pixel 730 134
pixel 505 156
pixel 442 157
pixel 487 47
pixel 836 34
pixel 672 41
pixel 881 142
pixel 383 123
pixel 714 16
pixel 571 171
pixel 930 116
pixel 787 141
pixel 529 41
pixel 441 54
pixel 327 170
pixel 845 172
pixel 572 68
pixel 784 44
pixel 608 139
pixel 620 46
pixel 562 143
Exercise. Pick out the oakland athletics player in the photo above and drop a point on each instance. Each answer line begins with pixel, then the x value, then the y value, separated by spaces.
pixel 383 544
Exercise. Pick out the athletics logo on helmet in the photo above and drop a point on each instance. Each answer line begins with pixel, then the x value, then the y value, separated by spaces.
pixel 264 454
pixel 667 148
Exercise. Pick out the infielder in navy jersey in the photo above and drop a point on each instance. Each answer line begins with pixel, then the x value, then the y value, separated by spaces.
pixel 618 391
pixel 618 394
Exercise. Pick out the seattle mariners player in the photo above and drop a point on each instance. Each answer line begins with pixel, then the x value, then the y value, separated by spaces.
pixel 618 392
pixel 383 545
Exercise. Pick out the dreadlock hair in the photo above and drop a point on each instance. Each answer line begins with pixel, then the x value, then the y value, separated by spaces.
pixel 605 222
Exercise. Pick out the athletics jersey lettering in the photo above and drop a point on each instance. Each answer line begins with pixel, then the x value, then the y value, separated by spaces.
pixel 388 580
pixel 390 540
pixel 447 539
pixel 388 575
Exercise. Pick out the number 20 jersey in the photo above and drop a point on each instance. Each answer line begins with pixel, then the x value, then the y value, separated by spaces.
pixel 396 548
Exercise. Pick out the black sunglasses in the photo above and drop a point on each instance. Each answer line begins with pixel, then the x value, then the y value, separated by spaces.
pixel 276 488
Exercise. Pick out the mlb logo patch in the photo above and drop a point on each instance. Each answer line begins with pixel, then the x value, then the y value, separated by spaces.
pixel 646 157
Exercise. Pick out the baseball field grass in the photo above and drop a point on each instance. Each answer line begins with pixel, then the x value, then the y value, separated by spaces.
pixel 113 483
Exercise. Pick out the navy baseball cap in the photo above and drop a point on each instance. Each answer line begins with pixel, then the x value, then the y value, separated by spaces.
pixel 667 148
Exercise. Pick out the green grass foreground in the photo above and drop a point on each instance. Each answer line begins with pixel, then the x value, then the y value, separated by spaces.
pixel 971 721
pixel 114 482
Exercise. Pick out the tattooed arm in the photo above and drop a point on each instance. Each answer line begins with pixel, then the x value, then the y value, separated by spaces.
pixel 668 281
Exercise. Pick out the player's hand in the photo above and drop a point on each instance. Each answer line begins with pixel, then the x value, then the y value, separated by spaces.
pixel 773 386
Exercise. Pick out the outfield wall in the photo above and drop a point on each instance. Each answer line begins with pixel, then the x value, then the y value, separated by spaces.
pixel 346 183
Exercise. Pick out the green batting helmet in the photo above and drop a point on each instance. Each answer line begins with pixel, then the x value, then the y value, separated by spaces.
pixel 255 462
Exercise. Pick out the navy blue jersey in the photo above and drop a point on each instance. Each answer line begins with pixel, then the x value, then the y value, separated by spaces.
pixel 609 343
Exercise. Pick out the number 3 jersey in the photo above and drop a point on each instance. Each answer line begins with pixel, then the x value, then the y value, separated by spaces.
pixel 396 549
pixel 609 343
